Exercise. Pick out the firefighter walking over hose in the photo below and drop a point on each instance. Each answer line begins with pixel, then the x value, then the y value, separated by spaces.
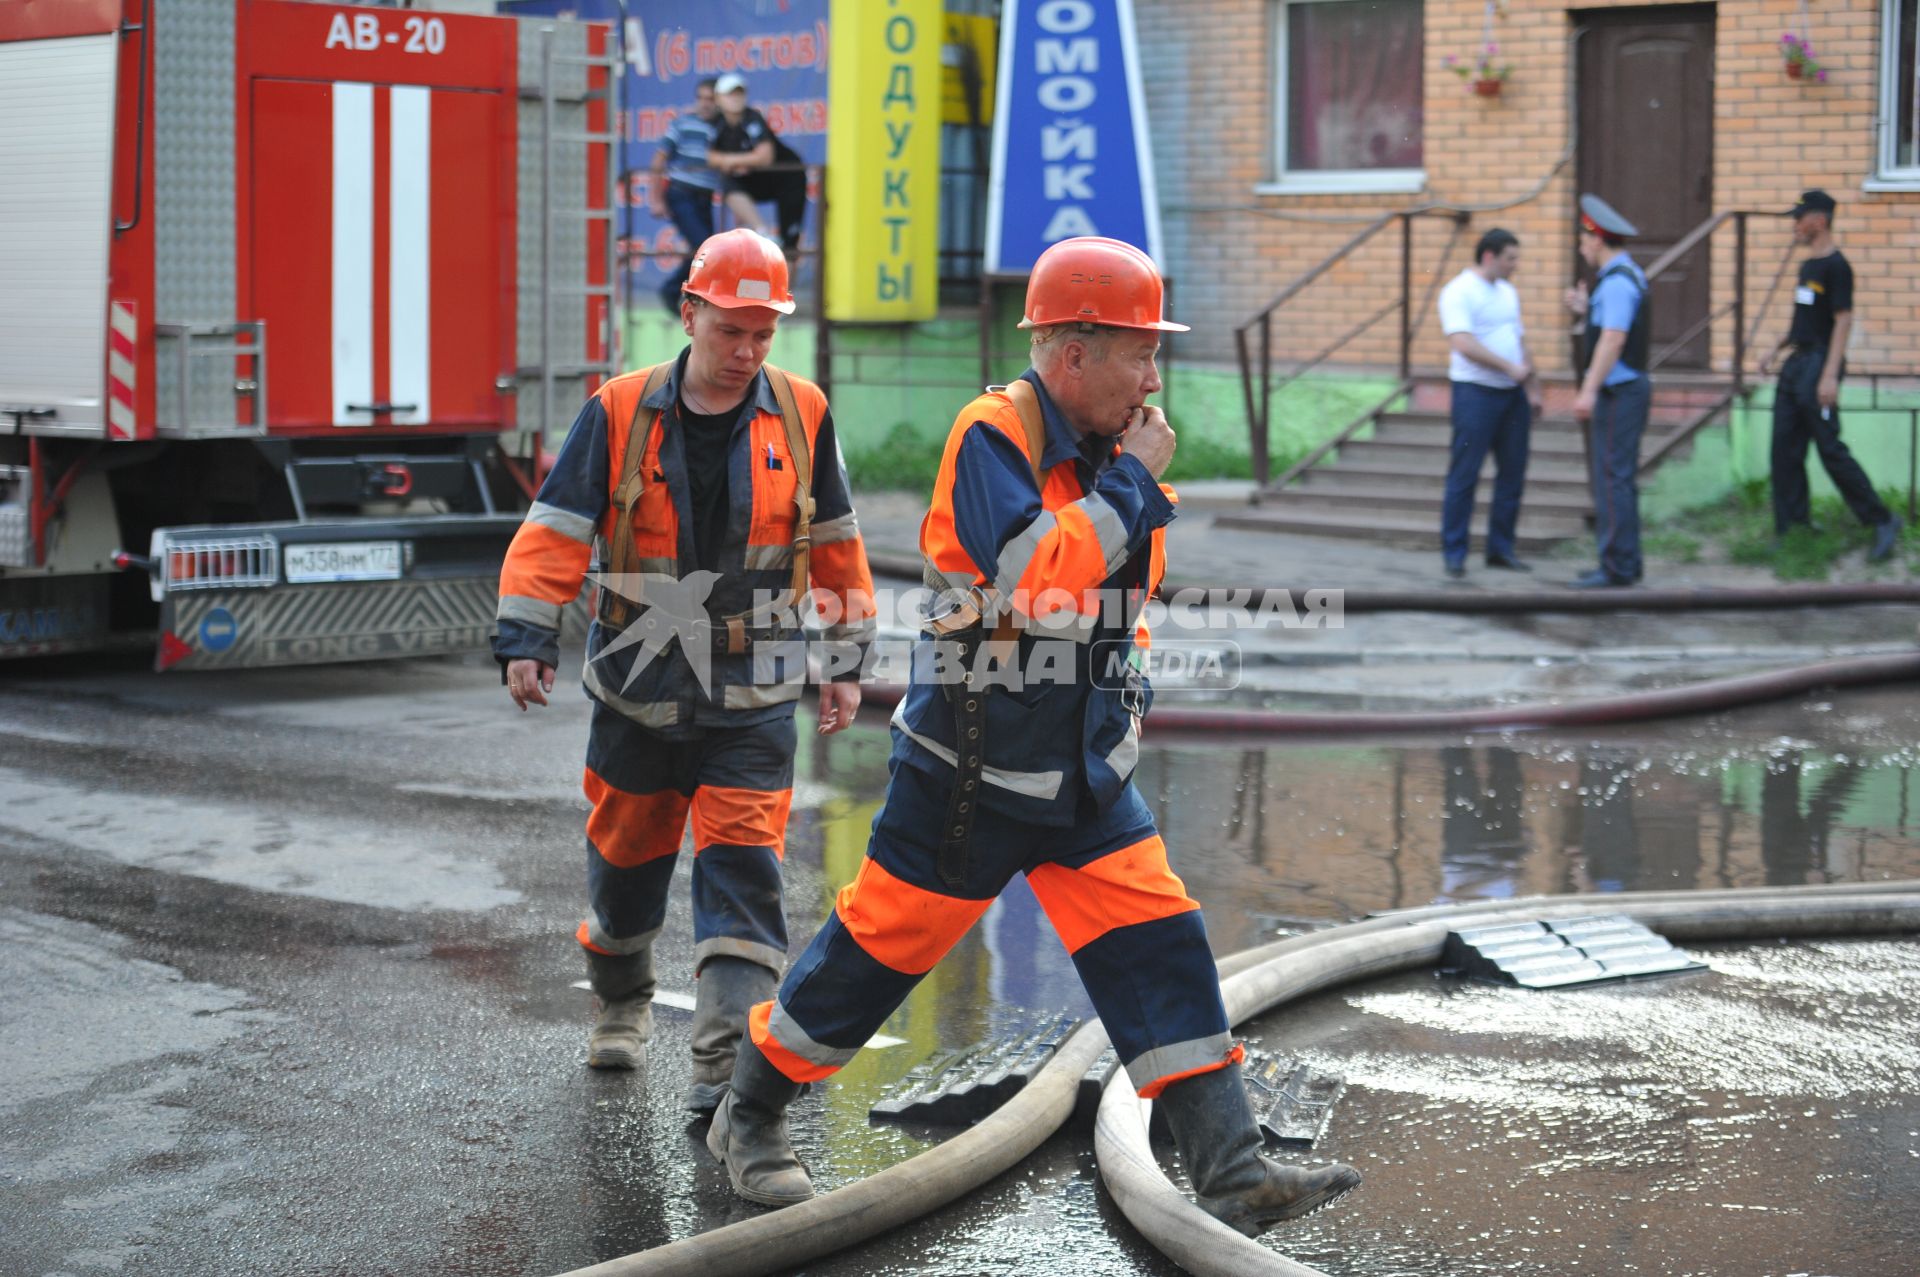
pixel 711 493
pixel 1046 534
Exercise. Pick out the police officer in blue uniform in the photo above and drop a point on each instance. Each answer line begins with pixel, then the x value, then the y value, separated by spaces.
pixel 1615 392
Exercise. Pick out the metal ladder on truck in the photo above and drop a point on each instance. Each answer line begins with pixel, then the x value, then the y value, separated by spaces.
pixel 569 100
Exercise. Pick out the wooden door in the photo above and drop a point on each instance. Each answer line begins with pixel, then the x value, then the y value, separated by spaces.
pixel 1646 147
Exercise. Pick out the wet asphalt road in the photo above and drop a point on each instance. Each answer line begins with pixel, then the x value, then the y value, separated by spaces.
pixel 286 987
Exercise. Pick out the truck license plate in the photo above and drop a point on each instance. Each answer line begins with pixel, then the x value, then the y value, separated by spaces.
pixel 342 561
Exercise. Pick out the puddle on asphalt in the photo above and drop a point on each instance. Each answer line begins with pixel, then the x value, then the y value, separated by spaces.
pixel 1668 1128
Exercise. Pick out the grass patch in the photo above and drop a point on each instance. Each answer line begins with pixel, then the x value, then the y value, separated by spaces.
pixel 1741 527
pixel 1671 544
pixel 1198 457
pixel 905 461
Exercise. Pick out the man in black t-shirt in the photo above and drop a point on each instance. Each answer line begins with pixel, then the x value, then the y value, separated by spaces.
pixel 1806 403
pixel 759 167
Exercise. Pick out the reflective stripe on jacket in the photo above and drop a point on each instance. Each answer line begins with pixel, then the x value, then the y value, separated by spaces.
pixel 1077 559
pixel 570 527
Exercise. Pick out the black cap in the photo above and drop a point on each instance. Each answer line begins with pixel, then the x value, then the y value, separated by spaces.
pixel 1815 201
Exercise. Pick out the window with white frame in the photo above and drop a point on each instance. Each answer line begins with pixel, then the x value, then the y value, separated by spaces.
pixel 1900 92
pixel 1347 105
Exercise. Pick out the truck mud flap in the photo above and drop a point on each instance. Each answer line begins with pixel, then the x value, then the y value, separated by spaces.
pixel 322 623
pixel 45 615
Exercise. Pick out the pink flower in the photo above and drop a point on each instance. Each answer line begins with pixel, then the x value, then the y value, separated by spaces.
pixel 1448 61
pixel 1493 48
pixel 1820 76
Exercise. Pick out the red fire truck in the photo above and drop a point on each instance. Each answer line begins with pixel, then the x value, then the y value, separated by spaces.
pixel 289 294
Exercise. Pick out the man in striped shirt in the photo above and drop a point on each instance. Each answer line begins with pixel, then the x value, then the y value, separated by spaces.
pixel 684 184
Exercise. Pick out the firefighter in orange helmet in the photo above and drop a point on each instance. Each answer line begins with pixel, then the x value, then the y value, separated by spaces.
pixel 1013 752
pixel 710 493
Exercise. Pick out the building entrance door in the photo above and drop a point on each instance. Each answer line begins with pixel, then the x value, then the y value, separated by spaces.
pixel 1646 147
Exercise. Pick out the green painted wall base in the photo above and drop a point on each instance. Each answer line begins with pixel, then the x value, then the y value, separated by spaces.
pixel 896 389
pixel 1728 455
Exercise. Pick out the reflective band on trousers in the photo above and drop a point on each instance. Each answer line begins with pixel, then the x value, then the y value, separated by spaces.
pixel 782 1029
pixel 1177 1058
pixel 598 940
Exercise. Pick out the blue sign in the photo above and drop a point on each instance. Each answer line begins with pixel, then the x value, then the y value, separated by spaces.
pixel 1070 153
pixel 218 630
pixel 669 46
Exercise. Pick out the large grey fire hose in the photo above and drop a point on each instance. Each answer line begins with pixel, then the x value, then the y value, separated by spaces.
pixel 902 1193
pixel 1704 697
pixel 1295 968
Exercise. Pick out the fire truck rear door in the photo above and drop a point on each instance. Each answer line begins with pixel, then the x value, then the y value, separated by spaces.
pixel 381 228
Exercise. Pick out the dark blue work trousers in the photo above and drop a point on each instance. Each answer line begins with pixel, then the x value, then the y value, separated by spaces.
pixel 1797 421
pixel 691 208
pixel 1613 459
pixel 1485 419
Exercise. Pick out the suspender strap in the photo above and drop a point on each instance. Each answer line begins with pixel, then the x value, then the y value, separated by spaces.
pixel 802 456
pixel 624 555
pixel 1027 404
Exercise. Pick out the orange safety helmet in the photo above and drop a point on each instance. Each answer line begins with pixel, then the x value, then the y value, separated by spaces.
pixel 741 268
pixel 1090 279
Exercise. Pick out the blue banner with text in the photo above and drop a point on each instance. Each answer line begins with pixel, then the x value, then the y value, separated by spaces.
pixel 1070 153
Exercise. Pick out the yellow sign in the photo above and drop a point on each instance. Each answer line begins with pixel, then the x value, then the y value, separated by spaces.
pixel 883 160
pixel 973 41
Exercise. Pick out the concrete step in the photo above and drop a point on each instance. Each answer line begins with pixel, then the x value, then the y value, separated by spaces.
pixel 1429 454
pixel 1540 443
pixel 1534 534
pixel 1658 418
pixel 1416 499
pixel 1542 477
pixel 1671 389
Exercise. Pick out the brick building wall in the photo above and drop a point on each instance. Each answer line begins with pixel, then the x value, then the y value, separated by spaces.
pixel 1209 79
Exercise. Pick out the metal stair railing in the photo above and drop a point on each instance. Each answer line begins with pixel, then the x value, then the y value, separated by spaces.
pixel 1259 387
pixel 1736 308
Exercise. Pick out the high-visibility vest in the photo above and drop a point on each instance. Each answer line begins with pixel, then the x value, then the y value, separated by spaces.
pixel 616 497
pixel 1073 564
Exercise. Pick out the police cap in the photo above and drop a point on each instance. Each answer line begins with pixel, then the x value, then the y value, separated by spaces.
pixel 1602 219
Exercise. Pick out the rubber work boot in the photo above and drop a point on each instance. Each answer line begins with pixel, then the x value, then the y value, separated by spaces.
pixel 749 1133
pixel 1212 1123
pixel 624 985
pixel 726 990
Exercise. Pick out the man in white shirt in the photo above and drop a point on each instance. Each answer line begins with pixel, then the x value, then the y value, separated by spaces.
pixel 1496 393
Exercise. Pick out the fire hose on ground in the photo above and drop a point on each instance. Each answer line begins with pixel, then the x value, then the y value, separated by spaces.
pixel 1254 982
pixel 1260 979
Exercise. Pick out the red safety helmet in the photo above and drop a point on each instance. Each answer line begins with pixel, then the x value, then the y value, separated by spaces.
pixel 1093 280
pixel 741 268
